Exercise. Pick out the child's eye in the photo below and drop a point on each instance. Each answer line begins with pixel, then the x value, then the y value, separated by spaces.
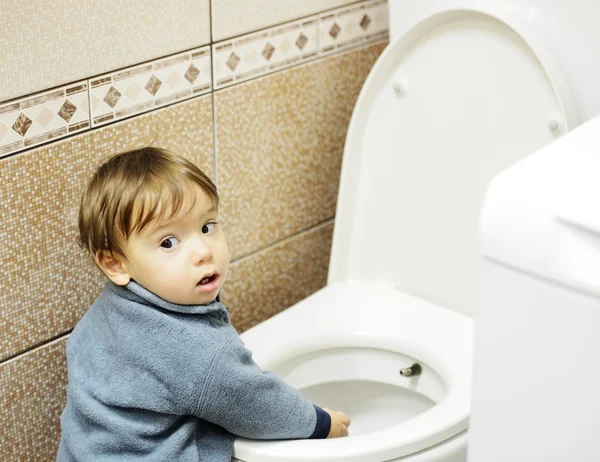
pixel 208 228
pixel 169 243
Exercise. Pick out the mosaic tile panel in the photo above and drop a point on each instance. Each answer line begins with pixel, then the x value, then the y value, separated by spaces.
pixel 49 44
pixel 140 88
pixel 267 282
pixel 46 281
pixel 280 141
pixel 353 26
pixel 42 117
pixel 256 54
pixel 32 397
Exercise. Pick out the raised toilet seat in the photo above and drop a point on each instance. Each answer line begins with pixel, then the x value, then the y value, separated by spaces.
pixel 438 339
pixel 456 98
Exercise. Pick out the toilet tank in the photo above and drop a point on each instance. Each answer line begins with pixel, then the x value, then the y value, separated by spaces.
pixel 536 389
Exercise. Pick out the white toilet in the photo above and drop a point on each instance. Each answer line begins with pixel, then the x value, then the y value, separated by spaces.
pixel 464 89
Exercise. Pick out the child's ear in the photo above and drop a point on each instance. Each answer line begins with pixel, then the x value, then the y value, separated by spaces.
pixel 113 266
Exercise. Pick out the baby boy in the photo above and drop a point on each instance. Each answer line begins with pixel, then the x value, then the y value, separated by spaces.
pixel 156 371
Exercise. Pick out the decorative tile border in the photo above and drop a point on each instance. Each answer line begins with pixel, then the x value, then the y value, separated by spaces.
pixel 353 26
pixel 56 113
pixel 138 89
pixel 260 53
pixel 263 52
pixel 44 116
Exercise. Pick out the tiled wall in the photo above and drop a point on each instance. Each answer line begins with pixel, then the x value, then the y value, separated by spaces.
pixel 264 114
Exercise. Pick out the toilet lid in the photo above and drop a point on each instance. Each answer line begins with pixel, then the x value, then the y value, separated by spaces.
pixel 459 97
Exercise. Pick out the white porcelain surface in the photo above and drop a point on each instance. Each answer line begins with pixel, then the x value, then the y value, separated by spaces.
pixel 568 29
pixel 350 315
pixel 551 230
pixel 536 379
pixel 440 114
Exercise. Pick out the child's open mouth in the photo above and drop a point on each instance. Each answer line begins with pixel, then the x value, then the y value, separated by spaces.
pixel 209 283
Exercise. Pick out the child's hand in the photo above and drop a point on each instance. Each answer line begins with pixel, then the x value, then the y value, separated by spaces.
pixel 339 424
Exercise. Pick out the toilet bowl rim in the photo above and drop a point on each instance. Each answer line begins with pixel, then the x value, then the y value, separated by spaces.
pixel 446 354
pixel 403 439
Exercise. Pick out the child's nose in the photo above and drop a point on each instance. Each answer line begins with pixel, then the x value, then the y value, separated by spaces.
pixel 201 252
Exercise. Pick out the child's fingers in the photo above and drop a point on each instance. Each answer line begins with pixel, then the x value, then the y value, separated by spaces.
pixel 344 418
pixel 344 431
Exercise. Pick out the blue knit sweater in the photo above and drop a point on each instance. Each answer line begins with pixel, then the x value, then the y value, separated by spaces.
pixel 154 381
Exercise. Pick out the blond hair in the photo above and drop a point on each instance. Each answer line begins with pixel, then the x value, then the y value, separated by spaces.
pixel 131 190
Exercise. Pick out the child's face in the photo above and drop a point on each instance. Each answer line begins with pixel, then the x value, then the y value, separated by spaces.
pixel 183 260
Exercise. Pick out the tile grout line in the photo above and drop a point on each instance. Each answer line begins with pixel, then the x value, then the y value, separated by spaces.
pixel 33 348
pixel 285 240
pixel 214 137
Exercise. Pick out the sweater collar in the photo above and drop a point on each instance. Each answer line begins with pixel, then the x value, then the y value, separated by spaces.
pixel 139 294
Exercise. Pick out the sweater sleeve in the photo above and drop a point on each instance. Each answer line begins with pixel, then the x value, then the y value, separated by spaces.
pixel 250 403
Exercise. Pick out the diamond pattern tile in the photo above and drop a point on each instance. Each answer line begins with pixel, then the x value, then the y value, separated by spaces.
pixel 267 51
pixel 67 110
pixel 192 73
pixel 112 97
pixel 263 52
pixel 133 91
pixel 151 85
pixel 353 26
pixel 22 124
pixel 364 23
pixel 302 39
pixel 233 61
pixel 42 117
pixel 334 31
pixel 172 79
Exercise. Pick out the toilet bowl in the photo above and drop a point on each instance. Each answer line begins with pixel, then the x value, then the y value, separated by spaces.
pixel 334 349
pixel 456 97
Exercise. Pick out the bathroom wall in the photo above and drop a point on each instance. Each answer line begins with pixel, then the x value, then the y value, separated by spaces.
pixel 257 93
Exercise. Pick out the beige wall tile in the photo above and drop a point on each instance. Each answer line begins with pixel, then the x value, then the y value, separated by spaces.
pixel 236 17
pixel 280 141
pixel 46 44
pixel 265 283
pixel 32 397
pixel 47 282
